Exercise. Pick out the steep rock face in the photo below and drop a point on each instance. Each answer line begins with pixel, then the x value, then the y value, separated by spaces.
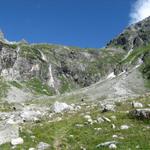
pixel 134 36
pixel 52 69
pixel 134 40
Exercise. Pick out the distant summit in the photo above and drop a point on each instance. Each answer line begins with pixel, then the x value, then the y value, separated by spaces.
pixel 134 36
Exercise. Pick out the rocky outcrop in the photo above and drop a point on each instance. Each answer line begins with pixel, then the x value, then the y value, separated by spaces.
pixel 43 69
pixel 17 141
pixel 8 132
pixel 134 36
pixel 52 68
pixel 140 113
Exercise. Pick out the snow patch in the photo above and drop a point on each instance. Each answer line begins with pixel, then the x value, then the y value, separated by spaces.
pixel 10 42
pixel 18 49
pixel 111 76
pixel 122 73
pixel 66 47
pixel 51 79
pixel 129 52
pixel 140 62
pixel 43 55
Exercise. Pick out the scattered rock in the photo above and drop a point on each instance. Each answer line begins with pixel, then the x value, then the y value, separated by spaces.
pixel 124 127
pixel 108 107
pixel 43 146
pixel 113 117
pixel 71 136
pixel 87 117
pixel 112 146
pixel 31 115
pixel 17 141
pixel 59 107
pixel 82 148
pixel 100 120
pixel 113 126
pixel 31 148
pixel 106 119
pixel 32 137
pixel 137 105
pixel 90 121
pixel 97 129
pixel 8 132
pixel 106 144
pixel 79 125
pixel 115 136
pixel 140 113
pixel 77 107
pixel 137 147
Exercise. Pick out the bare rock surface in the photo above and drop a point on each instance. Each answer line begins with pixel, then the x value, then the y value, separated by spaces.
pixel 58 107
pixel 140 113
pixel 8 132
pixel 17 141
pixel 43 146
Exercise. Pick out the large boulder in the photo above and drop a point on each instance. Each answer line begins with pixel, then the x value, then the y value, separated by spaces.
pixel 17 141
pixel 31 115
pixel 137 105
pixel 8 132
pixel 140 113
pixel 59 107
pixel 108 107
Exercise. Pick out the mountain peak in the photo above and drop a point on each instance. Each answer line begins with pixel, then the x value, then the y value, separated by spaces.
pixel 136 35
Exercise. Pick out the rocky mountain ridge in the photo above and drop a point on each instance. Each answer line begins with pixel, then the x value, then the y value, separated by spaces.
pixel 52 69
pixel 43 69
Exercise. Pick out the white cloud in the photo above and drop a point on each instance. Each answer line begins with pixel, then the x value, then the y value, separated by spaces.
pixel 140 10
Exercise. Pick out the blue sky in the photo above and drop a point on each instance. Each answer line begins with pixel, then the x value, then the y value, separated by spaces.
pixel 83 23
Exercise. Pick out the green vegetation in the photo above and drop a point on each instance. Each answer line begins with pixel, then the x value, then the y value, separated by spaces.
pixel 136 53
pixel 16 84
pixel 29 52
pixel 5 107
pixel 38 87
pixel 65 134
pixel 67 85
pixel 3 87
pixel 13 46
pixel 144 53
pixel 145 68
pixel 45 46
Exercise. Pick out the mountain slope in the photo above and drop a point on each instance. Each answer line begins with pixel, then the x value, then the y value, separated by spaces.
pixel 71 98
pixel 52 69
pixel 32 70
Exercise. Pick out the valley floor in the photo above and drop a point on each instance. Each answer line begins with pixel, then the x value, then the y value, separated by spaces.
pixel 86 128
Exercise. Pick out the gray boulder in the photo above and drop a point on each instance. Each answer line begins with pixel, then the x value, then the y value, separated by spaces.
pixel 105 144
pixel 43 146
pixel 140 113
pixel 108 107
pixel 137 105
pixel 8 132
pixel 59 107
